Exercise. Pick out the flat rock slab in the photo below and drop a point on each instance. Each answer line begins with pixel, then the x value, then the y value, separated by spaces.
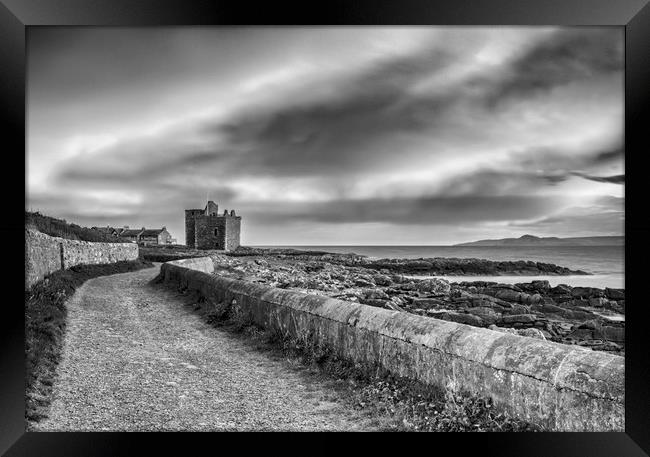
pixel 136 358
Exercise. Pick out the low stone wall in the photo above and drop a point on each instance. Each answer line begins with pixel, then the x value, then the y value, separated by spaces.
pixel 560 387
pixel 42 256
pixel 87 253
pixel 46 254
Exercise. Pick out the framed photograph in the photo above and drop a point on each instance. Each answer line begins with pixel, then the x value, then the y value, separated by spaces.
pixel 414 216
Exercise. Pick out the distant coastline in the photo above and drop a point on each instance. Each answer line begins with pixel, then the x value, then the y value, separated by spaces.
pixel 531 240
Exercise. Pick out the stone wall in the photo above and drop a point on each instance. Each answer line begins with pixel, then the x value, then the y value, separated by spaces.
pixel 46 254
pixel 87 253
pixel 227 236
pixel 560 387
pixel 204 234
pixel 43 256
pixel 190 214
pixel 233 225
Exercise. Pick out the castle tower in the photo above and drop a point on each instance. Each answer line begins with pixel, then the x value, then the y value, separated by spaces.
pixel 211 209
pixel 206 229
pixel 190 214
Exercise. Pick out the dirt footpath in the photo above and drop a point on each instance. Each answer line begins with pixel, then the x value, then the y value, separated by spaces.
pixel 135 358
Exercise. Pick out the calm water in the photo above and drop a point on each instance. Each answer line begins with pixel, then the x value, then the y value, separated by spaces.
pixel 606 263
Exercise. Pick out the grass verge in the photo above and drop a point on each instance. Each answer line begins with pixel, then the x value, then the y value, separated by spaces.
pixel 393 403
pixel 45 322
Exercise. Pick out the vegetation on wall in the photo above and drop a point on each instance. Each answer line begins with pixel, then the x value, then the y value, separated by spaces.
pixel 63 229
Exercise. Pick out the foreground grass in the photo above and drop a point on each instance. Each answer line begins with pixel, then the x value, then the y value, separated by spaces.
pixel 394 404
pixel 45 322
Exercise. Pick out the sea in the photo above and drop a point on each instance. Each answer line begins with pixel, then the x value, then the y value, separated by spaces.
pixel 606 264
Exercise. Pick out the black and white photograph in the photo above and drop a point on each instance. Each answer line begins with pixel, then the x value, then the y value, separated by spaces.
pixel 325 228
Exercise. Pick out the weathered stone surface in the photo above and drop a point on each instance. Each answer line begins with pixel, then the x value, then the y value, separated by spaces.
pixel 531 299
pixel 426 303
pixel 488 315
pixel 87 253
pixel 531 333
pixel 615 294
pixel 541 285
pixel 207 229
pixel 382 280
pixel 46 254
pixel 433 285
pixel 616 334
pixel 519 319
pixel 559 386
pixel 376 294
pixel 516 309
pixel 582 334
pixel 547 308
pixel 333 275
pixel 509 295
pixel 42 256
pixel 374 302
pixel 586 292
pixel 461 318
pixel 598 302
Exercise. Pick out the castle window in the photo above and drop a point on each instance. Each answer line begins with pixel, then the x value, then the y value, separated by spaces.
pixel 216 232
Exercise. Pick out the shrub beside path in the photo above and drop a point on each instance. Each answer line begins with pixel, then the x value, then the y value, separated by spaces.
pixel 137 358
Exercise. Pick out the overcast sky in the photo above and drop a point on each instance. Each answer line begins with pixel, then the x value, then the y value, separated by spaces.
pixel 363 135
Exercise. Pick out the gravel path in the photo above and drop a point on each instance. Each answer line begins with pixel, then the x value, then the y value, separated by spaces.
pixel 136 357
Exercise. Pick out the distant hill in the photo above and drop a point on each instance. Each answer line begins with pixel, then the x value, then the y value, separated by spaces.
pixel 531 240
pixel 61 228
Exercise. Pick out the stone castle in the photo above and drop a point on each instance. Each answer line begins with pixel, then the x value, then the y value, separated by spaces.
pixel 206 229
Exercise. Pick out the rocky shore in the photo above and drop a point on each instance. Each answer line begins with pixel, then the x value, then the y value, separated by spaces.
pixel 423 266
pixel 589 317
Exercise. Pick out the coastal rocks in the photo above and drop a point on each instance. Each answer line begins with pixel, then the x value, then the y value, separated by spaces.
pixel 561 289
pixel 547 308
pixel 463 266
pixel 519 319
pixel 460 318
pixel 508 295
pixel 417 266
pixel 488 315
pixel 516 309
pixel 512 294
pixel 503 329
pixel 598 302
pixel 427 303
pixel 528 332
pixel 434 285
pixel 583 316
pixel 595 330
pixel 616 334
pixel 531 333
pixel 375 294
pixel 541 286
pixel 382 280
pixel 615 294
pixel 586 292
pixel 577 314
pixel 532 299
pixel 379 303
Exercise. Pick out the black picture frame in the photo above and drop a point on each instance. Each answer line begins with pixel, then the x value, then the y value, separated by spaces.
pixel 16 16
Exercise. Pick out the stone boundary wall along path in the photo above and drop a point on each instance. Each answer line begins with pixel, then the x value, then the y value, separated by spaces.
pixel 45 254
pixel 557 386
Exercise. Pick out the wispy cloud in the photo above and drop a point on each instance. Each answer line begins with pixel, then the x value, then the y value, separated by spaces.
pixel 466 126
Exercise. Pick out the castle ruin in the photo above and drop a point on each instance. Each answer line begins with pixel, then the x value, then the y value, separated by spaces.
pixel 206 229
